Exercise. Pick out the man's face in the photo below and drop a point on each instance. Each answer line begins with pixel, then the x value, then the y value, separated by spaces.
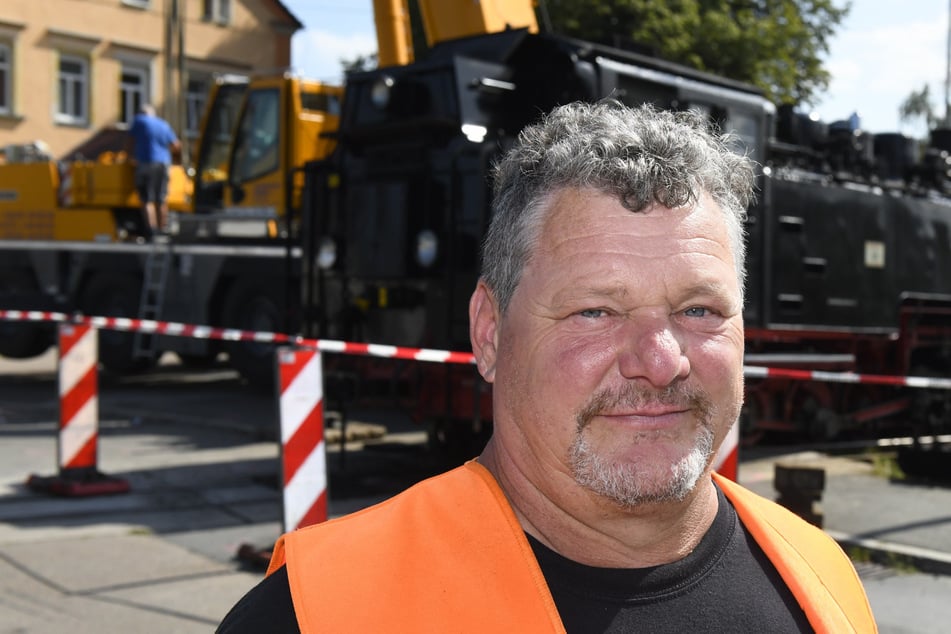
pixel 619 360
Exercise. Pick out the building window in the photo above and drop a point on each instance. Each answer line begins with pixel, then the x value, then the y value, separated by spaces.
pixel 217 11
pixel 6 79
pixel 138 4
pixel 196 96
pixel 133 91
pixel 73 104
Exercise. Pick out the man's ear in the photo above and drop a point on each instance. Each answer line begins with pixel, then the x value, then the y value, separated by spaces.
pixel 484 329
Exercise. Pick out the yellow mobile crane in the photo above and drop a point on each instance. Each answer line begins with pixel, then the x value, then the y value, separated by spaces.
pixel 72 236
pixel 444 21
pixel 283 121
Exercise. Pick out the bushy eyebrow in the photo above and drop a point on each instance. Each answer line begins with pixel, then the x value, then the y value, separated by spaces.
pixel 613 291
pixel 712 288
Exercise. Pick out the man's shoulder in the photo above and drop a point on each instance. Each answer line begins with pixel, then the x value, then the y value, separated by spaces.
pixel 811 562
pixel 143 124
pixel 784 535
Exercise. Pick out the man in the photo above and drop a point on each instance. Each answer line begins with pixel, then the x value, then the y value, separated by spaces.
pixel 153 142
pixel 609 320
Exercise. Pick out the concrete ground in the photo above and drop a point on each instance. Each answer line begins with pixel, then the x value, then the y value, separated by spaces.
pixel 162 557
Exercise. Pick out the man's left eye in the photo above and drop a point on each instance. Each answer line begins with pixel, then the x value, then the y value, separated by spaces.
pixel 697 311
pixel 591 313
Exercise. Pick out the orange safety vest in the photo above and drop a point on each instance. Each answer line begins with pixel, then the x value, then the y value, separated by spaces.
pixel 449 555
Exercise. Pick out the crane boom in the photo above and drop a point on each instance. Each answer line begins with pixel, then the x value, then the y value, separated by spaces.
pixel 444 21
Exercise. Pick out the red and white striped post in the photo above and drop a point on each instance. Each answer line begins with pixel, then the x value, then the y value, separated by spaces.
pixel 78 398
pixel 303 474
pixel 303 450
pixel 78 437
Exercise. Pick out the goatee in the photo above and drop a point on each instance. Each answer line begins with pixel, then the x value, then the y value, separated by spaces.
pixel 625 482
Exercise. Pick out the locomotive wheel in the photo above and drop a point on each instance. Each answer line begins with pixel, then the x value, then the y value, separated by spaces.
pixel 256 306
pixel 810 405
pixel 22 340
pixel 930 408
pixel 115 295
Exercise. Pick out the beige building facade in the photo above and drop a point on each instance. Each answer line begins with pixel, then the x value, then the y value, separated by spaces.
pixel 70 68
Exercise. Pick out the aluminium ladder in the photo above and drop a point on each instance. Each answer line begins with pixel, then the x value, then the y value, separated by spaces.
pixel 154 282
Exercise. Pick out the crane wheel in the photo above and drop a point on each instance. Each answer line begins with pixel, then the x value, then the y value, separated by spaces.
pixel 115 295
pixel 22 340
pixel 253 305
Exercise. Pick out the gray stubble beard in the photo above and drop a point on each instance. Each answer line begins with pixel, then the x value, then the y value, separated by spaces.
pixel 624 483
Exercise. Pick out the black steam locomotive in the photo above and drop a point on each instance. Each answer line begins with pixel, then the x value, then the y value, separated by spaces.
pixel 849 244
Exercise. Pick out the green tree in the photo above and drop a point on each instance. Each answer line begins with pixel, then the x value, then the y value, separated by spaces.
pixel 359 63
pixel 917 105
pixel 776 45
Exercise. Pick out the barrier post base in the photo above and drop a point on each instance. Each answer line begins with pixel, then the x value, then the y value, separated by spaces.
pixel 927 461
pixel 800 488
pixel 78 483
pixel 257 558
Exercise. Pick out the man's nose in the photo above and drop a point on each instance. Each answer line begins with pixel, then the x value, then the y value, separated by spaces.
pixel 650 349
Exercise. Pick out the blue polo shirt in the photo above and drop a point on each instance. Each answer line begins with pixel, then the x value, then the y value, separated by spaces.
pixel 153 136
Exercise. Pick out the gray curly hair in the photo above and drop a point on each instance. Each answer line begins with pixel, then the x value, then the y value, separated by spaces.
pixel 640 155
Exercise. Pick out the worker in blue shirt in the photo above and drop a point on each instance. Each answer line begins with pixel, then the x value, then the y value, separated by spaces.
pixel 153 143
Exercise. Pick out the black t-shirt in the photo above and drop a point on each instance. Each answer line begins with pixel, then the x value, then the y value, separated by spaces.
pixel 725 585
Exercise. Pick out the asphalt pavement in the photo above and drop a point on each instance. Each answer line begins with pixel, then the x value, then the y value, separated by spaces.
pixel 162 557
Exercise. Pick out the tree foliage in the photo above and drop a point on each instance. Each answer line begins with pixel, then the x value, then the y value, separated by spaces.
pixel 359 63
pixel 917 105
pixel 776 45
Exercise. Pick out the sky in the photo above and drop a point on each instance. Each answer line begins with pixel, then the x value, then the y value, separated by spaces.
pixel 882 52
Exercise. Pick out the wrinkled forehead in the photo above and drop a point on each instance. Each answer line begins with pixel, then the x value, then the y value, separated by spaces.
pixel 572 216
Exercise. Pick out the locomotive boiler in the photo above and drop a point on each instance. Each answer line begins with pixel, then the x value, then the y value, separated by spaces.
pixel 848 242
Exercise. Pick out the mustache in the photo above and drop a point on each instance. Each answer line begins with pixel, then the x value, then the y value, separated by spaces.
pixel 633 396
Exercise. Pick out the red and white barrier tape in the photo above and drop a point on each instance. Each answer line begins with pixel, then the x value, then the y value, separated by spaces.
pixel 423 354
pixel 757 372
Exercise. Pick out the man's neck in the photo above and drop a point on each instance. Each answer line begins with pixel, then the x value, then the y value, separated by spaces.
pixel 593 530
